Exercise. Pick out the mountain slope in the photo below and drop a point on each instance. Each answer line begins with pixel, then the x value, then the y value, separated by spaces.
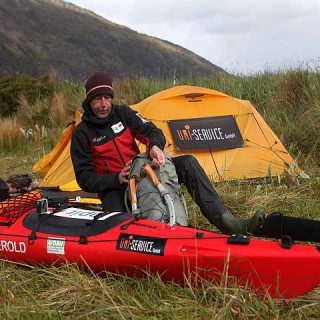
pixel 39 35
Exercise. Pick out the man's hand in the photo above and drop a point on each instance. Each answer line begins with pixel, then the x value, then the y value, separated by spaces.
pixel 124 174
pixel 157 157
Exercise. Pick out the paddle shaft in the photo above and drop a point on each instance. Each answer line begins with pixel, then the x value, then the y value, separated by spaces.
pixel 277 225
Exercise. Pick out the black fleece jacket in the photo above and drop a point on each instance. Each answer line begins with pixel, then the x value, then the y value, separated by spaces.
pixel 100 148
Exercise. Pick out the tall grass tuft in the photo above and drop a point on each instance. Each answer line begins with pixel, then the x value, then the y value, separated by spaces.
pixel 10 135
pixel 61 112
pixel 15 138
pixel 132 90
pixel 49 112
pixel 292 90
pixel 290 108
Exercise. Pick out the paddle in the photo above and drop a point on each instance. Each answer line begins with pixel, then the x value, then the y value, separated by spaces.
pixel 277 225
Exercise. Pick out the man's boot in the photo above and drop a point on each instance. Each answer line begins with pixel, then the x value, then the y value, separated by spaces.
pixel 192 175
pixel 227 223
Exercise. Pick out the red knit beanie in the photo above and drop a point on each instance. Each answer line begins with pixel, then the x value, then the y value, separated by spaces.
pixel 98 83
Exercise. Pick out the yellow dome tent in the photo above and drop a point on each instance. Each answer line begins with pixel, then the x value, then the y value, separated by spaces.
pixel 261 153
pixel 57 165
pixel 228 136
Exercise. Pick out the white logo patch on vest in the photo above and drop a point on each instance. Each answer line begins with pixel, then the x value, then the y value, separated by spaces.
pixel 141 118
pixel 118 127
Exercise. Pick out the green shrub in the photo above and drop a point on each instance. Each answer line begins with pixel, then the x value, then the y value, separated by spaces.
pixel 12 88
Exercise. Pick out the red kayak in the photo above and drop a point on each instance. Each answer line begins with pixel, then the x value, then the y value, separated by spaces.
pixel 119 243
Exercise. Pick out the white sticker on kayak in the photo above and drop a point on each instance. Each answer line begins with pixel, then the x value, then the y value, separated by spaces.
pixel 55 245
pixel 78 213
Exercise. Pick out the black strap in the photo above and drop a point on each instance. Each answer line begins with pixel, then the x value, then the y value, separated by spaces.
pixel 83 239
pixel 89 224
pixel 96 218
pixel 40 216
pixel 33 234
pixel 126 225
pixel 286 242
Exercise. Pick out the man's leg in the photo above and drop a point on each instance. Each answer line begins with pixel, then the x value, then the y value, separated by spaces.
pixel 113 201
pixel 192 175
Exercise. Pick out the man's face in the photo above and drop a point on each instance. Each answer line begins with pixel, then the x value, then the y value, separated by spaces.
pixel 101 106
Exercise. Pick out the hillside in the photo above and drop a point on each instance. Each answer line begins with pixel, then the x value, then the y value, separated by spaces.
pixel 39 35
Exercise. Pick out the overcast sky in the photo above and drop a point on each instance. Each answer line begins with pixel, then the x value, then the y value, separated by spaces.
pixel 241 36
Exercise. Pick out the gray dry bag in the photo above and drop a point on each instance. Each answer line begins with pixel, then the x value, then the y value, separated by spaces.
pixel 151 202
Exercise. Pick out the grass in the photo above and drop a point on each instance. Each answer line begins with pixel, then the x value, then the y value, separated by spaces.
pixel 288 100
pixel 69 293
